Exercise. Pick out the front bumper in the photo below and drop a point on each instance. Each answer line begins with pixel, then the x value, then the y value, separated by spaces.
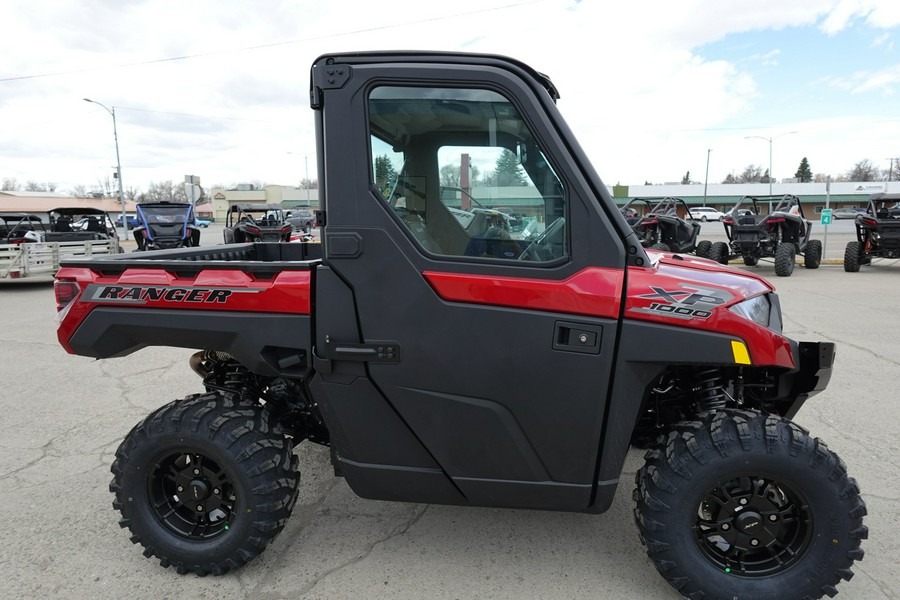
pixel 814 362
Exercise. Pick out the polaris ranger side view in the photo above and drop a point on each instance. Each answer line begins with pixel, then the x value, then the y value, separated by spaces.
pixel 445 365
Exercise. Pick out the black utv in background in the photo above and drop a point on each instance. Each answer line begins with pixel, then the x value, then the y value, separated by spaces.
pixel 877 233
pixel 664 224
pixel 774 228
pixel 256 223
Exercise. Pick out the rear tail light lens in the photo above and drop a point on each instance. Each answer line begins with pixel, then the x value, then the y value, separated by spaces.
pixel 66 293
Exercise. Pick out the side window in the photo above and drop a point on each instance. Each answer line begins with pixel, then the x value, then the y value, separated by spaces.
pixel 464 174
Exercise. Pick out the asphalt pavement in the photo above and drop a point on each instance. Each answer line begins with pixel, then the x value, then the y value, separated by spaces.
pixel 63 417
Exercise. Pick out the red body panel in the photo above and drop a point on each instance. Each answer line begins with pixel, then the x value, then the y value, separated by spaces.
pixel 230 290
pixel 670 283
pixel 594 291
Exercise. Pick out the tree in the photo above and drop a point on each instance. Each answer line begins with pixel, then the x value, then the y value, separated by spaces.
pixel 820 177
pixel 751 174
pixel 729 178
pixel 686 180
pixel 508 171
pixel 864 170
pixel 385 173
pixel 450 175
pixel 766 178
pixel 804 173
pixel 893 173
pixel 9 184
pixel 165 191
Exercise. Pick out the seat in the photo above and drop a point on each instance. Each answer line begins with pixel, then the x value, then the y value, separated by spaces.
pixel 93 224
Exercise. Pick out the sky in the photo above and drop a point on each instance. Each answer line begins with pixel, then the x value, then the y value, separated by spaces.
pixel 652 89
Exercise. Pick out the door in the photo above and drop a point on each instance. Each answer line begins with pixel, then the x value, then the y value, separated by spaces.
pixel 479 260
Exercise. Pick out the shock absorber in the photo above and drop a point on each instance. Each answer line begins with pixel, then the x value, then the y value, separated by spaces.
pixel 709 389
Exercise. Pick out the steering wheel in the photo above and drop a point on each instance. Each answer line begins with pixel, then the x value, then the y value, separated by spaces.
pixel 538 249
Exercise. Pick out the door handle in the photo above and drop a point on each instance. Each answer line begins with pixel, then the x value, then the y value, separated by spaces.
pixel 577 337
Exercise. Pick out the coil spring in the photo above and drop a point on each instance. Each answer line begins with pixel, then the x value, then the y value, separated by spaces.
pixel 710 391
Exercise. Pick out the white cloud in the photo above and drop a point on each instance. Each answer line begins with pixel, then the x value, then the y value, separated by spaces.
pixel 634 85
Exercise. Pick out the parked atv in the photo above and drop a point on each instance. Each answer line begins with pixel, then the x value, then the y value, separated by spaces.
pixel 774 228
pixel 665 224
pixel 877 233
pixel 256 223
pixel 165 225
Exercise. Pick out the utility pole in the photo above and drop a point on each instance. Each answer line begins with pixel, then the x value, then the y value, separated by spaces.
pixel 706 177
pixel 118 165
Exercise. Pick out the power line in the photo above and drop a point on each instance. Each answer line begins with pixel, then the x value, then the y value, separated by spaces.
pixel 273 44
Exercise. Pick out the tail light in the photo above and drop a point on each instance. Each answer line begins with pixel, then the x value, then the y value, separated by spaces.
pixel 253 230
pixel 66 292
pixel 776 220
pixel 728 220
pixel 869 222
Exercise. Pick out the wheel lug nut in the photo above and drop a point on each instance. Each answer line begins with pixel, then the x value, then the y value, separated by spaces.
pixel 773 518
pixel 180 488
pixel 197 472
pixel 200 508
pixel 726 527
pixel 743 501
pixel 216 491
pixel 754 542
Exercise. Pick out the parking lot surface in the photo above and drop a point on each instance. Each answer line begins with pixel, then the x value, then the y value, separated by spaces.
pixel 63 417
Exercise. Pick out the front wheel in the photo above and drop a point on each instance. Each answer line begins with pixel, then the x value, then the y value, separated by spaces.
pixel 851 257
pixel 702 249
pixel 204 484
pixel 785 259
pixel 812 256
pixel 719 253
pixel 746 505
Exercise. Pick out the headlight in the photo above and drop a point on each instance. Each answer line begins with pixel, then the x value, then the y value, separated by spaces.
pixel 756 309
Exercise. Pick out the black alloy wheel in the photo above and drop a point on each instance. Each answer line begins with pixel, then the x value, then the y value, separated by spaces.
pixel 740 504
pixel 205 483
pixel 751 526
pixel 192 495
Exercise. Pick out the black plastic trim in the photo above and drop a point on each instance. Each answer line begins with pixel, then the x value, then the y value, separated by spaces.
pixel 260 341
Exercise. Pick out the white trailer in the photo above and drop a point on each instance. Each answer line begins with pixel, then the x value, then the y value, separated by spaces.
pixel 42 258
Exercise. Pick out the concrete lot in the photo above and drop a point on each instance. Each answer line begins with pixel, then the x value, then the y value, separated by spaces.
pixel 63 417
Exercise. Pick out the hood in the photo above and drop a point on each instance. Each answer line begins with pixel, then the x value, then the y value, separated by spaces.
pixel 687 291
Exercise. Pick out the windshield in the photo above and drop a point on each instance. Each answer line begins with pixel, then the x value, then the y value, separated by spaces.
pixel 165 215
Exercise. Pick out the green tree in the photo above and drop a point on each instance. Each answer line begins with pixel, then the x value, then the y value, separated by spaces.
pixel 385 173
pixel 508 171
pixel 804 173
pixel 686 180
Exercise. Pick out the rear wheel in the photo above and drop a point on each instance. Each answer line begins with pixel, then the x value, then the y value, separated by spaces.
pixel 785 259
pixel 703 249
pixel 745 505
pixel 851 257
pixel 660 246
pixel 812 256
pixel 750 260
pixel 204 484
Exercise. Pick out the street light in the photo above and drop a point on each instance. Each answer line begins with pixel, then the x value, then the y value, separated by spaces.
pixel 112 112
pixel 769 139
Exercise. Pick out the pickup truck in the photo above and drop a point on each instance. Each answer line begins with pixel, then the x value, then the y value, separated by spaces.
pixel 444 358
